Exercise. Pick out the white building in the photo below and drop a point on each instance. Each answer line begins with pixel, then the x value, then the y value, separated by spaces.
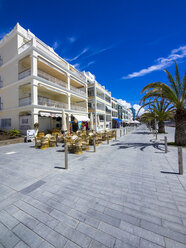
pixel 36 84
pixel 99 103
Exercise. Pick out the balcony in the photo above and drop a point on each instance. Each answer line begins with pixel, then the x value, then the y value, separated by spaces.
pixel 24 74
pixel 106 99
pixel 52 79
pixel 100 96
pixel 101 108
pixel 51 103
pixel 46 49
pixel 24 101
pixel 24 47
pixel 77 90
pixel 78 108
pixel 77 74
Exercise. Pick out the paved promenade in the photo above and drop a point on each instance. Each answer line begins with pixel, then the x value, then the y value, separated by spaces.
pixel 126 195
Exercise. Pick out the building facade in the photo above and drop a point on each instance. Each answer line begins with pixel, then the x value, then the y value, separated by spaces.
pixel 36 84
pixel 99 103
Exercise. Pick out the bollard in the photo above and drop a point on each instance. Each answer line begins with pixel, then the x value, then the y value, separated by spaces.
pixel 120 132
pixel 66 155
pixel 94 141
pixel 165 144
pixel 107 138
pixel 123 131
pixel 180 160
pixel 156 133
pixel 116 134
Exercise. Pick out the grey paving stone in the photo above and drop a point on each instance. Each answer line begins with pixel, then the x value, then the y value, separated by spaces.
pixel 11 209
pixel 126 237
pixel 173 244
pixel 50 235
pixel 147 244
pixel 7 219
pixel 164 231
pixel 104 217
pixel 37 214
pixel 45 244
pixel 32 187
pixel 70 244
pixel 63 217
pixel 146 234
pixel 96 244
pixel 122 216
pixel 96 234
pixel 174 226
pixel 121 244
pixel 26 219
pixel 28 236
pixel 21 244
pixel 74 235
pixel 84 218
pixel 7 237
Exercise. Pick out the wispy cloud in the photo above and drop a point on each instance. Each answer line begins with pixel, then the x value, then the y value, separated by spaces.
pixel 88 64
pixel 55 45
pixel 77 66
pixel 72 39
pixel 77 56
pixel 98 51
pixel 176 54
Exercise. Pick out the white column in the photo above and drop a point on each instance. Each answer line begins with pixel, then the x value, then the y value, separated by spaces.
pixel 68 81
pixel 34 92
pixel 105 120
pixel 34 118
pixel 69 102
pixel 33 63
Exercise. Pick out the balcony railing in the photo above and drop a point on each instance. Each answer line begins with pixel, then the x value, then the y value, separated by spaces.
pixel 24 74
pixel 42 46
pixel 51 103
pixel 80 91
pixel 24 47
pixel 24 101
pixel 78 74
pixel 101 108
pixel 106 99
pixel 77 107
pixel 52 79
pixel 100 96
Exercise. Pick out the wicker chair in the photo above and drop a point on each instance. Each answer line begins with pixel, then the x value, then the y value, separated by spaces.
pixel 85 142
pixel 44 143
pixel 74 144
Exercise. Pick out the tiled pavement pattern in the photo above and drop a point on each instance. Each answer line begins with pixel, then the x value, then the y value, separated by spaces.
pixel 117 197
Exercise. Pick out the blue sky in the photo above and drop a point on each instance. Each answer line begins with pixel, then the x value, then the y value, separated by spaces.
pixel 126 44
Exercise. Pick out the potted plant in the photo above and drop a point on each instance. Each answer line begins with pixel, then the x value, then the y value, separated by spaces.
pixel 36 128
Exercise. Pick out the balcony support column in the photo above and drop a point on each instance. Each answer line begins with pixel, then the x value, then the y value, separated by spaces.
pixel 69 102
pixel 35 118
pixel 68 81
pixel 34 92
pixel 33 63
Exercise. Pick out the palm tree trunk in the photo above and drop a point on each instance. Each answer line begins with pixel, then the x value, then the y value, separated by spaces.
pixel 161 127
pixel 180 132
pixel 153 124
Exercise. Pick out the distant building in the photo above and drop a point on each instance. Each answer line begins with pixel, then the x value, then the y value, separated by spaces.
pixel 134 113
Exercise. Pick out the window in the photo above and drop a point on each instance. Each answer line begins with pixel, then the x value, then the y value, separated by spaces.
pixel 1 60
pixel 90 92
pixel 6 123
pixel 1 104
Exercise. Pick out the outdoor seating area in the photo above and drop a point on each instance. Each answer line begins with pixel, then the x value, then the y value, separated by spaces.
pixel 77 142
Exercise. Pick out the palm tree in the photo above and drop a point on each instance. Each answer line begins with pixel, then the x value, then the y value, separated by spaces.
pixel 160 110
pixel 175 94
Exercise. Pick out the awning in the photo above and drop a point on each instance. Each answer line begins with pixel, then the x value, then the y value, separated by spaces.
pixel 47 114
pixel 81 118
pixel 117 119
pixel 109 108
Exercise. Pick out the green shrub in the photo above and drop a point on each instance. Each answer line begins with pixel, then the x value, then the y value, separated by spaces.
pixel 14 132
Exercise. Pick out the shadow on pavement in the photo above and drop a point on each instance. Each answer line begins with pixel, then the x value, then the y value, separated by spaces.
pixel 170 172
pixel 61 168
pixel 141 146
pixel 142 133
